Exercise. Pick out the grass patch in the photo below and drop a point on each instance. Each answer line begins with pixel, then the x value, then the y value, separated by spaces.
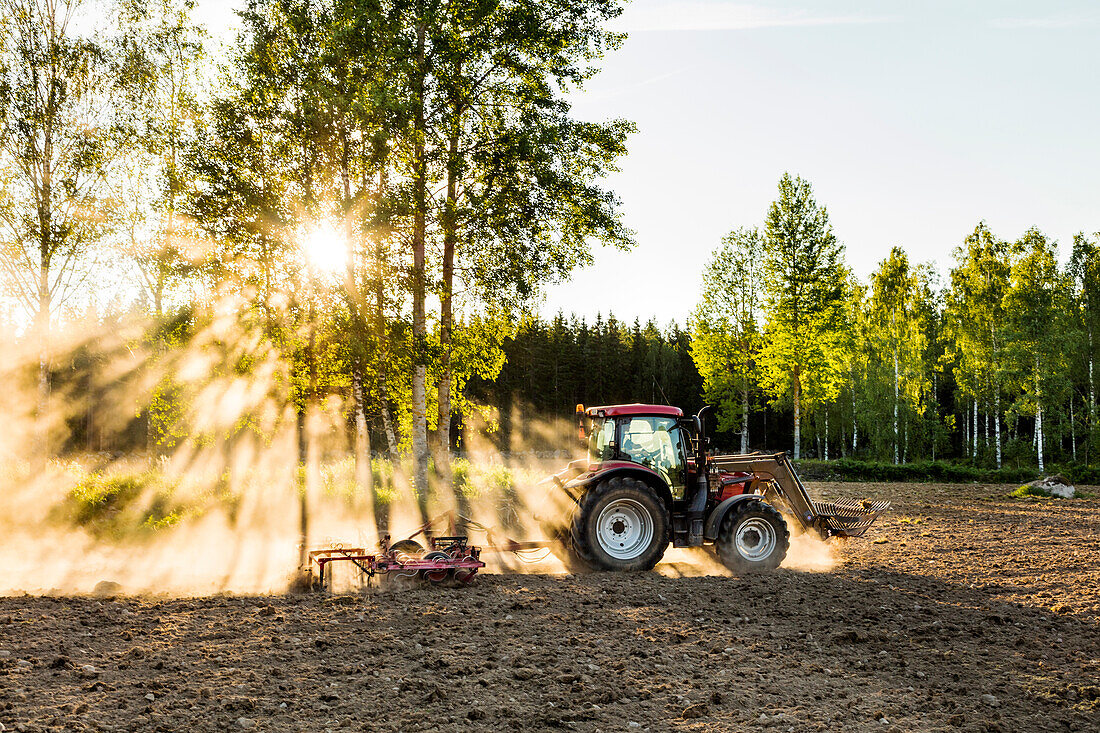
pixel 1027 490
pixel 122 506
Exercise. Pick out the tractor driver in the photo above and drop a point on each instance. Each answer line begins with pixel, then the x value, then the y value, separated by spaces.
pixel 647 441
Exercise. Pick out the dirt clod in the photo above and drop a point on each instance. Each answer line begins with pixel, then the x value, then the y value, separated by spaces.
pixel 695 711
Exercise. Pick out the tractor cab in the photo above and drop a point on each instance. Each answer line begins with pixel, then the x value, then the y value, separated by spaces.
pixel 656 437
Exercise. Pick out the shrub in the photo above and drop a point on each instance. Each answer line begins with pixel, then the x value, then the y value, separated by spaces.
pixel 121 506
pixel 847 469
pixel 1028 490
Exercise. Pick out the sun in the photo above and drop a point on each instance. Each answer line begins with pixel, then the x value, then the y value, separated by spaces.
pixel 326 248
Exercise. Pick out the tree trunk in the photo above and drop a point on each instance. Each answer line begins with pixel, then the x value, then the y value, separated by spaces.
pixel 43 328
pixel 44 205
pixel 302 472
pixel 364 477
pixel 966 431
pixel 997 421
pixel 1038 416
pixel 419 277
pixel 380 330
pixel 855 423
pixel 974 430
pixel 826 432
pixel 745 419
pixel 936 416
pixel 996 394
pixel 1072 431
pixel 896 380
pixel 1092 403
pixel 905 450
pixel 1092 387
pixel 797 395
pixel 446 317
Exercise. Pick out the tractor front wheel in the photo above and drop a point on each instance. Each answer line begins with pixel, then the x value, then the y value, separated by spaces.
pixel 752 537
pixel 620 524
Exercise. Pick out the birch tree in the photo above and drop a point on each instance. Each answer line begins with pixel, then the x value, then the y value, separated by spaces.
pixel 725 329
pixel 1084 268
pixel 975 324
pixel 1037 306
pixel 804 295
pixel 57 143
pixel 897 334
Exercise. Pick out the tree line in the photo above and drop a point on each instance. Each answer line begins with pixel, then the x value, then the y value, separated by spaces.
pixel 995 364
pixel 553 365
pixel 373 192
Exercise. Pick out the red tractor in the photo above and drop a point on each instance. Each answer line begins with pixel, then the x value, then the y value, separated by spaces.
pixel 648 482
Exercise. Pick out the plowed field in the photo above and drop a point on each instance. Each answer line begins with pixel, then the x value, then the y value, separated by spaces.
pixel 960 610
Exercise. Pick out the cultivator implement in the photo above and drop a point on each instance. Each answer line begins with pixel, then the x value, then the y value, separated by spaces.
pixel 444 560
pixel 447 561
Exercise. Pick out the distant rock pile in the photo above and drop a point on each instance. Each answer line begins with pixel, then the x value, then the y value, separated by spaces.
pixel 1055 486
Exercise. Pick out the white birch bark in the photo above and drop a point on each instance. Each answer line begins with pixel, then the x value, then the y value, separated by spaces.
pixel 1072 431
pixel 745 420
pixel 997 422
pixel 896 380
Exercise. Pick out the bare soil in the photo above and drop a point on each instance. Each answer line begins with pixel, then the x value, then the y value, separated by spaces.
pixel 961 610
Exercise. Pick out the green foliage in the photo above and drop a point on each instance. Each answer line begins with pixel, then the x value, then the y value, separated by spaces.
pixel 552 366
pixel 122 506
pixel 166 413
pixel 1027 490
pixel 725 329
pixel 803 353
pixel 60 136
pixel 1041 332
pixel 897 349
pixel 846 469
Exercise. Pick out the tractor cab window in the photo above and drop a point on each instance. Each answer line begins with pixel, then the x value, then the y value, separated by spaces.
pixel 657 443
pixel 601 440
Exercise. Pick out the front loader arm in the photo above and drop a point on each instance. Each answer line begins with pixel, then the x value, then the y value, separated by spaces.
pixel 842 518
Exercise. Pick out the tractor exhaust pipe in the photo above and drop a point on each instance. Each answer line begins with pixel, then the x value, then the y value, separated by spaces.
pixel 702 486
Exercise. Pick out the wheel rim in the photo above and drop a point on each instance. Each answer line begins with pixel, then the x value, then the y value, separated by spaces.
pixel 624 529
pixel 755 539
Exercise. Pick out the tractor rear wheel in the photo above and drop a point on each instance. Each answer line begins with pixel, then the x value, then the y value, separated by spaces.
pixel 620 524
pixel 752 537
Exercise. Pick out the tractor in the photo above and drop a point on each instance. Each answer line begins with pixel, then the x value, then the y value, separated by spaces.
pixel 648 481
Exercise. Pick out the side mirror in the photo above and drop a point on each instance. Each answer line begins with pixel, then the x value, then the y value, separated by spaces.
pixel 581 432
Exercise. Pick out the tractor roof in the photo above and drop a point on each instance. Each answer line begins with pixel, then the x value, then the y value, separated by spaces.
pixel 635 409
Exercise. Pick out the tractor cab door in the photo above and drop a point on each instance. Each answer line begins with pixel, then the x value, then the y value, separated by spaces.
pixel 658 443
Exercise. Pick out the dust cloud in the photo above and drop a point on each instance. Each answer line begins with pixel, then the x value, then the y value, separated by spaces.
pixel 810 553
pixel 213 502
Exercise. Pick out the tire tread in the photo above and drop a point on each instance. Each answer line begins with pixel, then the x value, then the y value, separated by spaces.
pixel 724 544
pixel 586 505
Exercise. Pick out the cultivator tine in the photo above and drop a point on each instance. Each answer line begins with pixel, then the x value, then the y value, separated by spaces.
pixel 847 517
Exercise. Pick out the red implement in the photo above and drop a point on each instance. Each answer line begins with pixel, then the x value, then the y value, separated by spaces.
pixel 450 559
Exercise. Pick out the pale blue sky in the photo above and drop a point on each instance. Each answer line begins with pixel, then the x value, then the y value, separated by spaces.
pixel 913 121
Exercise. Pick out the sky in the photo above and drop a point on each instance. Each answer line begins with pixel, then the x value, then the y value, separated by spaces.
pixel 913 122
